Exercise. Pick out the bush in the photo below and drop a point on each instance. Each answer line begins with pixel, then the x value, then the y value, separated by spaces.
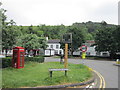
pixel 39 59
pixel 6 62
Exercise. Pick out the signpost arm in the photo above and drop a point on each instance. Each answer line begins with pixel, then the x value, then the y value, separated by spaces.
pixel 66 56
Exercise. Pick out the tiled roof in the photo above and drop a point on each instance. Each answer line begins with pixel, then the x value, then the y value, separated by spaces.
pixel 54 41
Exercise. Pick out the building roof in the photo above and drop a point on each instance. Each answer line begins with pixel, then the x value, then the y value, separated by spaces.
pixel 54 41
pixel 89 43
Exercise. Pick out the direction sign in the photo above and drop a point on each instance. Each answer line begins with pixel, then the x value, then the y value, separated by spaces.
pixel 67 38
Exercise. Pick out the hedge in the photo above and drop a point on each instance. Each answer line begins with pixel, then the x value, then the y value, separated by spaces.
pixel 7 61
pixel 39 59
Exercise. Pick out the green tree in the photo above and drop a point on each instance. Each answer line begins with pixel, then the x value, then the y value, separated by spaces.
pixel 31 41
pixel 9 37
pixel 37 30
pixel 77 38
pixel 105 41
pixel 9 33
pixel 30 29
pixel 43 42
pixel 89 37
pixel 117 38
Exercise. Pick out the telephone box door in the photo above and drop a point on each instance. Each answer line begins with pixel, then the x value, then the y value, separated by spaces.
pixel 21 59
pixel 15 58
pixel 18 57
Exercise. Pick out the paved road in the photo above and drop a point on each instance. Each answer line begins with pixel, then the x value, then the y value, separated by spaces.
pixel 106 68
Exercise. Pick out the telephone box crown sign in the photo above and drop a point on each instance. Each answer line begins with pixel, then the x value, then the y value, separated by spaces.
pixel 18 48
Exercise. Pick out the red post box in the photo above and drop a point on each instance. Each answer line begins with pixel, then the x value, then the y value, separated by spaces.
pixel 18 57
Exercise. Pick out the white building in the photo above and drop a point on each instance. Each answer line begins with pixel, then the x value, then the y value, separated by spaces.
pixel 53 47
pixel 91 50
pixel 2 52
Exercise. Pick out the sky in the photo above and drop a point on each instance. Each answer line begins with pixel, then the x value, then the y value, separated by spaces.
pixel 57 12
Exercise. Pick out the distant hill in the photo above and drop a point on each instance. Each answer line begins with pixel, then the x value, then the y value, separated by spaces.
pixel 89 29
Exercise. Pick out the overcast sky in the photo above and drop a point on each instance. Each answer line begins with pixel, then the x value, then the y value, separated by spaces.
pixel 56 12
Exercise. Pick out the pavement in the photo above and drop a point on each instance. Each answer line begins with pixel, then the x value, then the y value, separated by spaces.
pixel 105 68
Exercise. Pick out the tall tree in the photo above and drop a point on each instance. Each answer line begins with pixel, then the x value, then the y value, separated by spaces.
pixel 117 38
pixel 77 38
pixel 31 41
pixel 9 36
pixel 105 41
pixel 9 32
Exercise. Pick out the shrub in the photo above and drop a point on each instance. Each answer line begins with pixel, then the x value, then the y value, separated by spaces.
pixel 39 59
pixel 6 62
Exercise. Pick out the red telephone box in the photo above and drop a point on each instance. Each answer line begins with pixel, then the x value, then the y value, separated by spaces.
pixel 18 57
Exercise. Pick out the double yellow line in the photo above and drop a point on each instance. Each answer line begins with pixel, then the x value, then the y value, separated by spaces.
pixel 102 80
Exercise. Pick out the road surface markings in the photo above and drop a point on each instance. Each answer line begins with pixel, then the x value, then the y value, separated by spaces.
pixel 90 86
pixel 102 80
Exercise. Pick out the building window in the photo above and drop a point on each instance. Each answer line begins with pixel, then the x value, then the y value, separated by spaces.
pixel 105 54
pixel 52 46
pixel 98 53
pixel 57 46
pixel 56 51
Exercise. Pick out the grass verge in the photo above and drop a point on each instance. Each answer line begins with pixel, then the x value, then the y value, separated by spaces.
pixel 37 74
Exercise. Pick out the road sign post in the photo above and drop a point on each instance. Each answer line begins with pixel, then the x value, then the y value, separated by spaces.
pixel 66 56
pixel 83 55
pixel 66 39
pixel 83 48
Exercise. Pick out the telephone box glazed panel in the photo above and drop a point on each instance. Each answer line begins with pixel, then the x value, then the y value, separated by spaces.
pixel 18 57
